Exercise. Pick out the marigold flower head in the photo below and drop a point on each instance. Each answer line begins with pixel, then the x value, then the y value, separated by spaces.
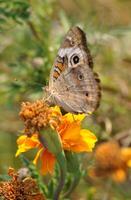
pixel 111 160
pixel 108 155
pixel 38 116
pixel 20 189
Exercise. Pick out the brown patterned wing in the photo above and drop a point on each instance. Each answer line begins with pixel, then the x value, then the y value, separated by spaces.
pixel 74 42
pixel 73 84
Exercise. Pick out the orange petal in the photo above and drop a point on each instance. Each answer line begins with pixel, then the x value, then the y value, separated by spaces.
pixel 77 140
pixel 77 147
pixel 72 132
pixel 48 162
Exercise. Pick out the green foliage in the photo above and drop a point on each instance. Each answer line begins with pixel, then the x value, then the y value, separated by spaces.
pixel 15 10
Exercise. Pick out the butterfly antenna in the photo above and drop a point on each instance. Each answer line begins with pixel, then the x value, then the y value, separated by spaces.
pixel 47 98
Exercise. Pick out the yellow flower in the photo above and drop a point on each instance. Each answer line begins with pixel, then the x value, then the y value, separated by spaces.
pixel 71 117
pixel 76 139
pixel 26 143
pixel 72 137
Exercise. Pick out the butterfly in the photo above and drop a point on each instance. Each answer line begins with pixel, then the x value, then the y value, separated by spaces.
pixel 72 83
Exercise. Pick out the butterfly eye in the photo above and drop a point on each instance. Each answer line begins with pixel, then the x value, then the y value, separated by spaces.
pixel 75 59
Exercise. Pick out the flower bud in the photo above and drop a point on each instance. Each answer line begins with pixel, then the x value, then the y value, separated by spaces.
pixel 51 141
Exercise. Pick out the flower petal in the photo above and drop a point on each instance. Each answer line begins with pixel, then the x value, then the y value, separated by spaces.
pixel 55 109
pixel 79 147
pixel 77 140
pixel 89 138
pixel 48 162
pixel 26 143
pixel 72 132
pixel 37 155
pixel 72 117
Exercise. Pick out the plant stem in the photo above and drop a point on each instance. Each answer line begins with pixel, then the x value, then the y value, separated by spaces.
pixel 62 165
pixel 75 171
pixel 73 185
pixel 33 30
pixel 48 142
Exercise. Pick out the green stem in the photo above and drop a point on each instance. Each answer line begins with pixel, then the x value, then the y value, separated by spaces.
pixel 62 165
pixel 50 140
pixel 33 30
pixel 73 185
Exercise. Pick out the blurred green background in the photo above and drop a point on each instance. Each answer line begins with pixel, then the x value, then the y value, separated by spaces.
pixel 30 35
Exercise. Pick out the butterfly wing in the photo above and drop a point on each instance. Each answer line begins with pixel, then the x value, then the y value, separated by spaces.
pixel 73 84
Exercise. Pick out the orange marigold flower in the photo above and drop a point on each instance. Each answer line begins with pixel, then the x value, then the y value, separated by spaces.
pixel 38 115
pixel 26 143
pixel 68 126
pixel 17 188
pixel 112 160
pixel 73 137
